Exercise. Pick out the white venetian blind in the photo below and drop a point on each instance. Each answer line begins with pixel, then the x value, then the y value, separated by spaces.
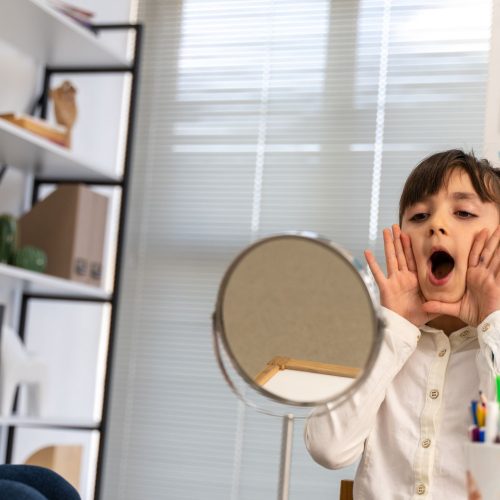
pixel 255 117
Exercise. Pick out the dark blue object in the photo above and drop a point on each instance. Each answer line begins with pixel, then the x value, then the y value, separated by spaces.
pixel 10 490
pixel 29 482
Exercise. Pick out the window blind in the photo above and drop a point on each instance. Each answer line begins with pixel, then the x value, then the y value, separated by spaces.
pixel 256 117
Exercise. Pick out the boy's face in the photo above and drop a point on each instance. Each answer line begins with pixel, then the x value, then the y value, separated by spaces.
pixel 442 229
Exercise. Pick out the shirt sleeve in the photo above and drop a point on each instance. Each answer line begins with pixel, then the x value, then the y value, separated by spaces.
pixel 335 436
pixel 488 357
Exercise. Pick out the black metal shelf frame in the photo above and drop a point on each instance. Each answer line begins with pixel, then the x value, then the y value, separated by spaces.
pixel 123 183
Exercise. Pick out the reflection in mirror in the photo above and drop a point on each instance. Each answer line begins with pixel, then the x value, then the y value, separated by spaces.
pixel 297 319
pixel 287 378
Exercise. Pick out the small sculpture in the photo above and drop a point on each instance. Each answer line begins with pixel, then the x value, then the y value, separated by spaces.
pixel 65 107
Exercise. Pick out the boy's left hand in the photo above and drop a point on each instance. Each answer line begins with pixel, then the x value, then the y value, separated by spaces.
pixel 482 290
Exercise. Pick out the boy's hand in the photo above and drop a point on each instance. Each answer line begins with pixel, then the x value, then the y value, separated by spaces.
pixel 482 289
pixel 400 291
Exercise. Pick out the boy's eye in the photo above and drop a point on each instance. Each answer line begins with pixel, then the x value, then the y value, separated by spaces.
pixel 419 217
pixel 463 214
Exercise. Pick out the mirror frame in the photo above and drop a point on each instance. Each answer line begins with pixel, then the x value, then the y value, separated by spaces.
pixel 221 340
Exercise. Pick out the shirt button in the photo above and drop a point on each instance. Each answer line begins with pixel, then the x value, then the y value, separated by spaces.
pixel 421 489
pixel 442 353
pixel 485 327
pixel 426 443
pixel 434 393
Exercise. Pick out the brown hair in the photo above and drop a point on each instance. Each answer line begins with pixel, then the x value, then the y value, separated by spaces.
pixel 431 174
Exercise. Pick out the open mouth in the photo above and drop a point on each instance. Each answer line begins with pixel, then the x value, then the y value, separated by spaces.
pixel 442 263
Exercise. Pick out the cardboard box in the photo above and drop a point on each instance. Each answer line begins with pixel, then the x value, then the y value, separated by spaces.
pixel 69 225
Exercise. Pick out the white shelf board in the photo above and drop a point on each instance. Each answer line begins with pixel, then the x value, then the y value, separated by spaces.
pixel 27 151
pixel 43 283
pixel 18 421
pixel 50 37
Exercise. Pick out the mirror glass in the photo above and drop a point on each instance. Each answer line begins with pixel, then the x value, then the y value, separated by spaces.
pixel 297 319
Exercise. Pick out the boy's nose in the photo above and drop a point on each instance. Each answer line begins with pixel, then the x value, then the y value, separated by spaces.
pixel 433 230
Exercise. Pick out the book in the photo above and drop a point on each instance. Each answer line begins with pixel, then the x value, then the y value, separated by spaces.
pixel 81 16
pixel 83 13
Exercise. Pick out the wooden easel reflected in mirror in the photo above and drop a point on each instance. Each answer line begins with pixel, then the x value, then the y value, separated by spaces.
pixel 305 380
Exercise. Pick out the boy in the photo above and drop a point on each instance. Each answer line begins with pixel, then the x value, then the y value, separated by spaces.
pixel 441 303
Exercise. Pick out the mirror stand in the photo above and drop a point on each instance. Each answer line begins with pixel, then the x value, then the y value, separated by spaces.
pixel 286 456
pixel 296 324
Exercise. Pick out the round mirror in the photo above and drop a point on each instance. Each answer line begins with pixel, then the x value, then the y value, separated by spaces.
pixel 296 317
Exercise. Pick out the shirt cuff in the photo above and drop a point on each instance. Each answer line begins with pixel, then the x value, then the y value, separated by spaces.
pixel 404 329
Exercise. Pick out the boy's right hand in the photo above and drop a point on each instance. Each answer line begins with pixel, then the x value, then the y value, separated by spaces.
pixel 399 291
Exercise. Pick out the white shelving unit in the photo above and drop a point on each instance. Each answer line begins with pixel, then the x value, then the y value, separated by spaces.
pixel 69 44
pixel 61 44
pixel 37 283
pixel 34 154
pixel 49 422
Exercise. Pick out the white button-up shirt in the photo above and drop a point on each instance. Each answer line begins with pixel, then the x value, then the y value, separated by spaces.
pixel 410 418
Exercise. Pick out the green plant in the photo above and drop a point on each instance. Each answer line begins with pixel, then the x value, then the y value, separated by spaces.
pixel 32 258
pixel 8 237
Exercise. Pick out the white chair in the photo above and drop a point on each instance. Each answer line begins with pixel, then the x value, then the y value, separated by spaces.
pixel 20 368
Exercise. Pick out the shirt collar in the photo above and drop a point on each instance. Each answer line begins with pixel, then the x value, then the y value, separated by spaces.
pixel 456 338
pixel 466 331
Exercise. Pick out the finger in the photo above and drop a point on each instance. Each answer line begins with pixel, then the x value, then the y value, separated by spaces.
pixel 436 307
pixel 408 250
pixel 390 253
pixel 398 246
pixel 495 262
pixel 374 268
pixel 477 247
pixel 490 248
pixel 472 490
